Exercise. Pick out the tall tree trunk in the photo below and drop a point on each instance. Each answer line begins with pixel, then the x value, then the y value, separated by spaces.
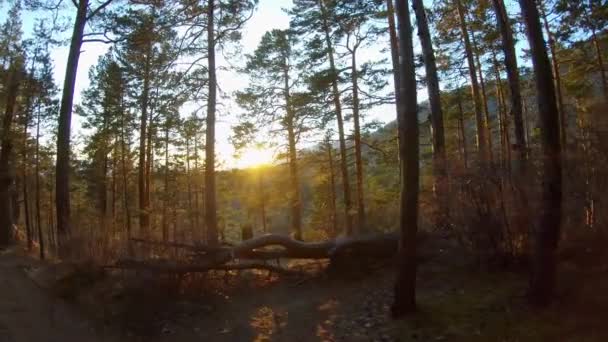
pixel 563 121
pixel 295 202
pixel 358 158
pixel 149 168
pixel 62 174
pixel 165 223
pixel 262 200
pixel 189 188
pixel 502 117
pixel 26 120
pixel 348 215
pixel 125 188
pixel 332 190
pixel 197 226
pixel 598 49
pixel 296 206
pixel 484 98
pixel 432 81
pixel 482 145
pixel 542 284
pixel 394 51
pixel 37 191
pixel 210 195
pixel 462 131
pixel 144 218
pixel 405 287
pixel 6 147
pixel 508 48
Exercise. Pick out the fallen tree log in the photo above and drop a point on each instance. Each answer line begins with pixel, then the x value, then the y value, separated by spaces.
pixel 171 267
pixel 271 247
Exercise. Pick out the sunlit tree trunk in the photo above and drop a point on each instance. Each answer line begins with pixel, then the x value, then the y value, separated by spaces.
pixel 432 81
pixel 508 48
pixel 482 145
pixel 484 99
pixel 348 212
pixel 210 195
pixel 332 190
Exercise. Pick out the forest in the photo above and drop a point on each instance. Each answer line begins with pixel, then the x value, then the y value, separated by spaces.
pixel 286 170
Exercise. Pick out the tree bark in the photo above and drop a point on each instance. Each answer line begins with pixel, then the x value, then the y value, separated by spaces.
pixel 125 188
pixel 394 51
pixel 6 147
pixel 361 226
pixel 432 81
pixel 332 190
pixel 484 98
pixel 405 286
pixel 37 191
pixel 165 222
pixel 210 192
pixel 62 174
pixel 144 218
pixel 462 131
pixel 348 214
pixel 563 122
pixel 508 48
pixel 542 283
pixel 295 204
pixel 482 146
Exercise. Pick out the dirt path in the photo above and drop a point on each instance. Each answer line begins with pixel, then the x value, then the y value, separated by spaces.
pixel 29 314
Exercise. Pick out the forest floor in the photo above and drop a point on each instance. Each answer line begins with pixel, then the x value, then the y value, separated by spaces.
pixel 456 303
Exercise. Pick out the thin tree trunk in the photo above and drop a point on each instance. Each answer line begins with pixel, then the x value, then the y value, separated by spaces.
pixel 197 226
pixel 26 120
pixel 348 215
pixel 502 116
pixel 332 190
pixel 165 223
pixel 432 81
pixel 148 172
pixel 484 99
pixel 125 188
pixel 144 218
pixel 508 48
pixel 62 174
pixel 358 159
pixel 405 287
pixel 394 51
pixel 37 194
pixel 482 146
pixel 189 187
pixel 6 144
pixel 295 203
pixel 546 238
pixel 563 122
pixel 262 200
pixel 462 131
pixel 210 195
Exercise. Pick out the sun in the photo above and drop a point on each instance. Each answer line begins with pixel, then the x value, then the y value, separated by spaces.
pixel 254 157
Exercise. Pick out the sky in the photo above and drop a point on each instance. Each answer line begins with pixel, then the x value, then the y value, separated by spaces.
pixel 268 15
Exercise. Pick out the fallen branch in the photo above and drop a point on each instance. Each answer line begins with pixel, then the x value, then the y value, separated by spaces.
pixel 270 247
pixel 163 266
